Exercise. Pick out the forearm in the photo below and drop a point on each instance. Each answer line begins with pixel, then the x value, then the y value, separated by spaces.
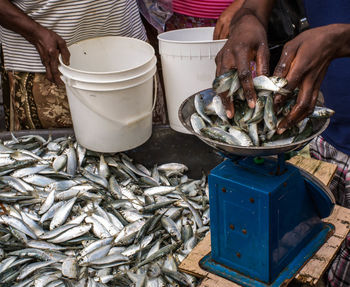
pixel 261 8
pixel 12 18
pixel 342 38
pixel 237 3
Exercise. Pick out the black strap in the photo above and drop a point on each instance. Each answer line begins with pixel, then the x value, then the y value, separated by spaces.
pixel 287 20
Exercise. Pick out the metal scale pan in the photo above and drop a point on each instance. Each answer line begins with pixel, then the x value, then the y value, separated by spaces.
pixel 187 109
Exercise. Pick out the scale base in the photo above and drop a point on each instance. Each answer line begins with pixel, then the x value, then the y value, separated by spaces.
pixel 284 277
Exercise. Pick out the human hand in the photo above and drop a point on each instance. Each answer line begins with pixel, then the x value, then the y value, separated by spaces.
pixel 304 62
pixel 50 45
pixel 222 26
pixel 247 42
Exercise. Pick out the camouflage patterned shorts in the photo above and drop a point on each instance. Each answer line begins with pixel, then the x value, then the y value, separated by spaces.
pixel 33 102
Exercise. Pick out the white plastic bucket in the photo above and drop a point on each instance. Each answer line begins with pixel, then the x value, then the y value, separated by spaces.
pixel 108 59
pixel 110 99
pixel 188 65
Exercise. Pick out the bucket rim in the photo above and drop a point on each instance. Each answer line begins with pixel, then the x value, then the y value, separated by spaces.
pixel 142 79
pixel 109 72
pixel 154 60
pixel 161 39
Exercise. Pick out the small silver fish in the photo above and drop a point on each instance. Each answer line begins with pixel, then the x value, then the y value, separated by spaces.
pixel 223 82
pixel 253 133
pixel 199 105
pixel 280 142
pixel 220 109
pixel 240 94
pixel 258 111
pixel 219 135
pixel 269 114
pixel 235 85
pixel 322 112
pixel 197 123
pixel 71 233
pixel 265 83
pixel 278 81
pixel 72 161
pixel 241 137
pixel 59 162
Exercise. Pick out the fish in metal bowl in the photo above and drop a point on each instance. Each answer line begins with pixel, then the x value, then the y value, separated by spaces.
pixel 252 129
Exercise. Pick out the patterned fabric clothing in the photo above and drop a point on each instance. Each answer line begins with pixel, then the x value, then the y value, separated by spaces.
pixel 180 21
pixel 33 102
pixel 201 8
pixel 340 185
pixel 339 273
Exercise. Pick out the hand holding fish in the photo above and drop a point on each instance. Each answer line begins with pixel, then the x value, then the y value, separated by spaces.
pixel 304 62
pixel 247 42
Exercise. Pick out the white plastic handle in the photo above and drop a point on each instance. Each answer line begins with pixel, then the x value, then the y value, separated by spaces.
pixel 126 122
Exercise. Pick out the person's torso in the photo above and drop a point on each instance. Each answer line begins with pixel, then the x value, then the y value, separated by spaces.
pixel 201 8
pixel 73 21
pixel 335 84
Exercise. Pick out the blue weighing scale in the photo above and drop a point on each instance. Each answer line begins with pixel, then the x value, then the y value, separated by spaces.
pixel 265 221
pixel 265 214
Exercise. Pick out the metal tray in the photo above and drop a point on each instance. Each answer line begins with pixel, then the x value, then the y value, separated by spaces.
pixel 187 109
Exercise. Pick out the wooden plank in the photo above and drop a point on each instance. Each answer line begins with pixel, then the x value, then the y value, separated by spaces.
pixel 314 270
pixel 309 164
pixel 310 274
pixel 340 218
pixel 324 171
pixel 213 280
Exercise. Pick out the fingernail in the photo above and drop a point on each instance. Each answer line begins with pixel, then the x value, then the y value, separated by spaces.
pixel 281 131
pixel 251 103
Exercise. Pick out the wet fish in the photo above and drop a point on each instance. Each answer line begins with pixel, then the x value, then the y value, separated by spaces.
pixel 269 114
pixel 241 137
pixel 322 112
pixel 219 135
pixel 220 109
pixel 223 82
pixel 197 123
pixel 265 83
pixel 62 229
pixel 235 85
pixel 199 105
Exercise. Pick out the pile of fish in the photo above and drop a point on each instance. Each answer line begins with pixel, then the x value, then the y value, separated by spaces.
pixel 73 217
pixel 250 127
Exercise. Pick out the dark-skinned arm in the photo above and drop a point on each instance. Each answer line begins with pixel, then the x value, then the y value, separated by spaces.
pixel 304 62
pixel 48 44
pixel 247 42
pixel 222 26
